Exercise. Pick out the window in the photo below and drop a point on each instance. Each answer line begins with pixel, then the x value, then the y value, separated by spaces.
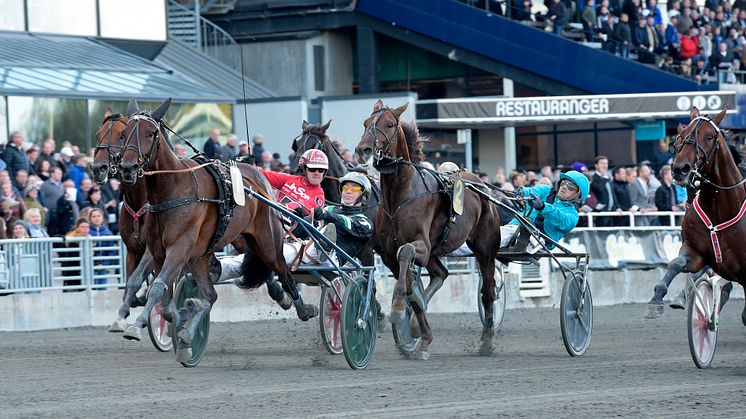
pixel 319 73
pixel 12 18
pixel 41 118
pixel 133 19
pixel 69 17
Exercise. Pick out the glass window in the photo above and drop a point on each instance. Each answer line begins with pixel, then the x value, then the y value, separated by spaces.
pixel 618 146
pixel 69 17
pixel 534 151
pixel 3 124
pixel 133 19
pixel 41 118
pixel 12 18
pixel 577 146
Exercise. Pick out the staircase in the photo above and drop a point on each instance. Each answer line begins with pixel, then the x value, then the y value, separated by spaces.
pixel 189 27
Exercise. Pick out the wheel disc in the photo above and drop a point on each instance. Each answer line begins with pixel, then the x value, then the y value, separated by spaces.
pixel 187 288
pixel 576 315
pixel 358 336
pixel 702 340
pixel 498 307
pixel 158 329
pixel 403 338
pixel 330 318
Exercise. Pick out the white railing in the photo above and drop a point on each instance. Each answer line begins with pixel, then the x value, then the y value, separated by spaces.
pixel 650 220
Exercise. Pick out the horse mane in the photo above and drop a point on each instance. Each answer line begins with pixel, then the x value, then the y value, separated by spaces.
pixel 415 143
pixel 735 146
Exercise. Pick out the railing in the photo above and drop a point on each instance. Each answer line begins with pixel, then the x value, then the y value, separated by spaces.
pixel 188 26
pixel 648 220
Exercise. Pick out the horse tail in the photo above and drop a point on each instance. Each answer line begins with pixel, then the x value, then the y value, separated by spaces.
pixel 255 272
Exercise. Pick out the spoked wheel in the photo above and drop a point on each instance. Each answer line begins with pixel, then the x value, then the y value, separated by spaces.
pixel 403 339
pixel 498 308
pixel 158 329
pixel 703 334
pixel 576 315
pixel 187 288
pixel 330 317
pixel 358 333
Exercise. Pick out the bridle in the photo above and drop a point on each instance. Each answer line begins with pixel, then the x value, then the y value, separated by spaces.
pixel 696 174
pixel 114 150
pixel 143 159
pixel 380 153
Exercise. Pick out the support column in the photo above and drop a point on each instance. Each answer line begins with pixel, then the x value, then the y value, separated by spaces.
pixel 367 60
pixel 463 136
pixel 509 149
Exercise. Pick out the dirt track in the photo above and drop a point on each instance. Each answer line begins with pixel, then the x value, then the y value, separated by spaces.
pixel 634 367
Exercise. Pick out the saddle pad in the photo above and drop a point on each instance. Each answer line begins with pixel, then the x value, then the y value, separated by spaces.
pixel 458 196
pixel 239 196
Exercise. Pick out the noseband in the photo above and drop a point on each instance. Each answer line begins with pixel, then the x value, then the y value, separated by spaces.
pixel 143 159
pixel 114 150
pixel 380 153
pixel 697 174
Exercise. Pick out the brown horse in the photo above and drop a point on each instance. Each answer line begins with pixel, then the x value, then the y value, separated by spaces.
pixel 184 200
pixel 708 165
pixel 132 216
pixel 416 224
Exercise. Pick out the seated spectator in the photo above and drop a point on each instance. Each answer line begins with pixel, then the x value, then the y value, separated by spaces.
pixel 20 230
pixel 11 206
pixel 33 217
pixel 31 200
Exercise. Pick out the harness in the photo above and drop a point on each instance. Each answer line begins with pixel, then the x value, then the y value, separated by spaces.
pixel 136 216
pixel 715 228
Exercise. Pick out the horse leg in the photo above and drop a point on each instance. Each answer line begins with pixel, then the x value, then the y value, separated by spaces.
pixel 197 308
pixel 154 296
pixel 405 258
pixel 675 267
pixel 438 273
pixel 679 303
pixel 137 265
pixel 487 267
pixel 418 253
pixel 725 294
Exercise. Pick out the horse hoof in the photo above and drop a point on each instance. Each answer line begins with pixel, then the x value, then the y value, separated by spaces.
pixel 183 335
pixel 414 328
pixel 485 349
pixel 421 355
pixel 654 311
pixel 397 316
pixel 286 303
pixel 183 354
pixel 132 333
pixel 118 326
pixel 678 304
pixel 312 310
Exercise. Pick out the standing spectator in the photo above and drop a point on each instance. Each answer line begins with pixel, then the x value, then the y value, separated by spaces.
pixel 98 228
pixel 559 16
pixel 638 195
pixel 230 149
pixel 672 35
pixel 66 160
pixel 276 164
pixel 258 150
pixel 623 35
pixel 14 156
pixel 520 10
pixel 655 12
pixel 33 217
pixel 51 190
pixel 94 200
pixel 31 200
pixel 62 218
pixel 21 180
pixel 212 147
pixel 642 43
pixel 665 196
pixel 546 172
pixel 112 197
pixel 589 20
pixel 78 170
pixel 32 154
pixel 518 179
pixel 608 42
pixel 11 206
pixel 266 160
pixel 620 189
pixel 46 154
pixel 651 182
pixel 662 156
pixel 180 150
pixel 243 151
pixel 601 189
pixel 685 21
pixel 44 170
pixel 79 229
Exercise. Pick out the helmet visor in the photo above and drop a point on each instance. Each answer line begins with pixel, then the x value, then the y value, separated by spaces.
pixel 352 187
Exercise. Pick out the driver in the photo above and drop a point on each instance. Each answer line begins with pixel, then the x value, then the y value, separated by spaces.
pixel 555 210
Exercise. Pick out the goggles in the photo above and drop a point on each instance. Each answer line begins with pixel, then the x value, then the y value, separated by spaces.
pixel 571 186
pixel 315 170
pixel 352 187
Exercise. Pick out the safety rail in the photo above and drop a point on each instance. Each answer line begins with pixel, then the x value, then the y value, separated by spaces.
pixel 648 219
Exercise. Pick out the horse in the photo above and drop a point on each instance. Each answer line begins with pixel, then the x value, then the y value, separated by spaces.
pixel 139 262
pixel 416 224
pixel 314 136
pixel 705 162
pixel 184 223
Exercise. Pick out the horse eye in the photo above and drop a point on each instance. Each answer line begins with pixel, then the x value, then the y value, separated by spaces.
pixel 390 125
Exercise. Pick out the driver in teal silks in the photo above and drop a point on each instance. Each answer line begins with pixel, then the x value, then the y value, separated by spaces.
pixel 555 210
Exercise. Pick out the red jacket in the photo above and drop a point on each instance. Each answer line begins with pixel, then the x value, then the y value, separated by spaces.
pixel 689 47
pixel 297 188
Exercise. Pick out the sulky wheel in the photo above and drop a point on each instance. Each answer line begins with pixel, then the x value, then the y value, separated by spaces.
pixel 498 308
pixel 576 315
pixel 403 334
pixel 158 329
pixel 330 317
pixel 703 332
pixel 358 334
pixel 187 288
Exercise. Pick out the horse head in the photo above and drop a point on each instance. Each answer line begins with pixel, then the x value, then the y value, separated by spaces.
pixel 109 148
pixel 142 135
pixel 311 136
pixel 382 134
pixel 696 146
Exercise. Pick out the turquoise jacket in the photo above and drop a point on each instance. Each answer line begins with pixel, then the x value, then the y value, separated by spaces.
pixel 559 218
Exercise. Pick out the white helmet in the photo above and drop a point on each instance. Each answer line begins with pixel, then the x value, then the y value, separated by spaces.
pixel 360 179
pixel 314 159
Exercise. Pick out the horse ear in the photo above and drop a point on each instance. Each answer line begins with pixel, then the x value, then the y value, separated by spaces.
pixel 719 117
pixel 304 124
pixel 378 106
pixel 400 110
pixel 133 107
pixel 680 128
pixel 326 126
pixel 158 113
pixel 694 113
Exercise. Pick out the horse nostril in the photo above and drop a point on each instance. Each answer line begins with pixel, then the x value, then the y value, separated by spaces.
pixel 368 151
pixel 686 168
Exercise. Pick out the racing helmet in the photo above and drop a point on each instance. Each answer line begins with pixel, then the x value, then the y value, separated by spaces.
pixel 448 167
pixel 580 180
pixel 314 159
pixel 361 180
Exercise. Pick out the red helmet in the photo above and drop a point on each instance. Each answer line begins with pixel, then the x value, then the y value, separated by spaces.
pixel 315 159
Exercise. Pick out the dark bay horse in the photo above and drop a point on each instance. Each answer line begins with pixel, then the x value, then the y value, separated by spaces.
pixel 708 165
pixel 184 219
pixel 415 223
pixel 132 216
